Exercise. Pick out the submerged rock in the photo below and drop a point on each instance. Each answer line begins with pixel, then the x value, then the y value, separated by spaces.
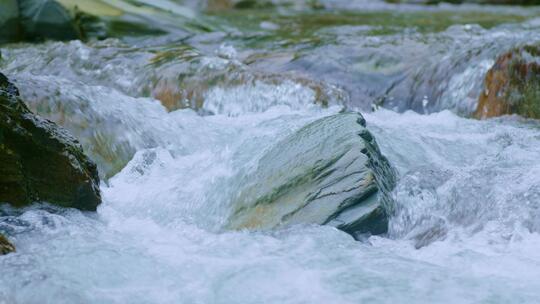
pixel 182 77
pixel 512 85
pixel 40 161
pixel 5 246
pixel 329 172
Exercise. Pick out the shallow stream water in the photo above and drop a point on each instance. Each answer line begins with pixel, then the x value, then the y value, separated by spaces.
pixel 467 222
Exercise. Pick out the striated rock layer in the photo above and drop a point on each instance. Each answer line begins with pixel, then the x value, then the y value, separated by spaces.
pixel 329 172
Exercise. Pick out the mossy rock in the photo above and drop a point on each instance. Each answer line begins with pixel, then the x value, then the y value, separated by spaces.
pixel 41 161
pixel 512 85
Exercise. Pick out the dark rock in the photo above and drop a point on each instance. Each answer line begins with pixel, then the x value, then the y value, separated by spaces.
pixel 9 21
pixel 47 19
pixel 36 20
pixel 512 85
pixel 30 20
pixel 40 161
pixel 5 246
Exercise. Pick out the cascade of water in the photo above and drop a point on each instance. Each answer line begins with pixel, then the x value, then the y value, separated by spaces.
pixel 181 131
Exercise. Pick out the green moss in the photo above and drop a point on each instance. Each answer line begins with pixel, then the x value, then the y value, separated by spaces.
pixel 523 92
pixel 312 21
pixel 252 4
pixel 121 28
pixel 526 96
pixel 184 52
pixel 306 28
pixel 530 107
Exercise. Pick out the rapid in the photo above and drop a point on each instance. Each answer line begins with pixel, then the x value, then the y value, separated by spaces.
pixel 175 126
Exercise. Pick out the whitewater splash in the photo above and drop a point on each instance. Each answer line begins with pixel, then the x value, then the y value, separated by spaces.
pixel 465 227
pixel 467 186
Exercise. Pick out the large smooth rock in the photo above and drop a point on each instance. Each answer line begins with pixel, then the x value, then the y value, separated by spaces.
pixel 329 172
pixel 47 19
pixel 5 246
pixel 41 161
pixel 9 20
pixel 22 20
pixel 133 19
pixel 31 20
pixel 512 85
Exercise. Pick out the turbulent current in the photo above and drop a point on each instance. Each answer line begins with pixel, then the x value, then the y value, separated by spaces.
pixel 466 226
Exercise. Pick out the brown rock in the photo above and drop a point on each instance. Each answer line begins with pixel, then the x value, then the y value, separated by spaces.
pixel 5 246
pixel 512 85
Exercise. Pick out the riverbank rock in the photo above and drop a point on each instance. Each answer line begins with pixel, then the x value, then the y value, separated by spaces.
pixel 329 172
pixel 9 20
pixel 512 85
pixel 131 20
pixel 5 246
pixel 36 20
pixel 41 161
pixel 31 20
pixel 47 19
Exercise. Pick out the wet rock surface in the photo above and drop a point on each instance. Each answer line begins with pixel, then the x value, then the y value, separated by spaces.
pixel 512 85
pixel 329 172
pixel 5 246
pixel 40 161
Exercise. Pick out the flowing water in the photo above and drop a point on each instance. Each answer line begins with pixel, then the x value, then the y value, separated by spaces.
pixel 466 228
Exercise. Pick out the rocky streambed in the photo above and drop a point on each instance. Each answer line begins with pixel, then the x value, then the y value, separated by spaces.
pixel 341 180
pixel 268 152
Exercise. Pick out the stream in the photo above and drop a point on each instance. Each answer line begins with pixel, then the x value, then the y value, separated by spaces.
pixel 175 121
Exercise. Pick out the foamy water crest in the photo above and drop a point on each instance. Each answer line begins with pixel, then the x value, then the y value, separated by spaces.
pixel 465 227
